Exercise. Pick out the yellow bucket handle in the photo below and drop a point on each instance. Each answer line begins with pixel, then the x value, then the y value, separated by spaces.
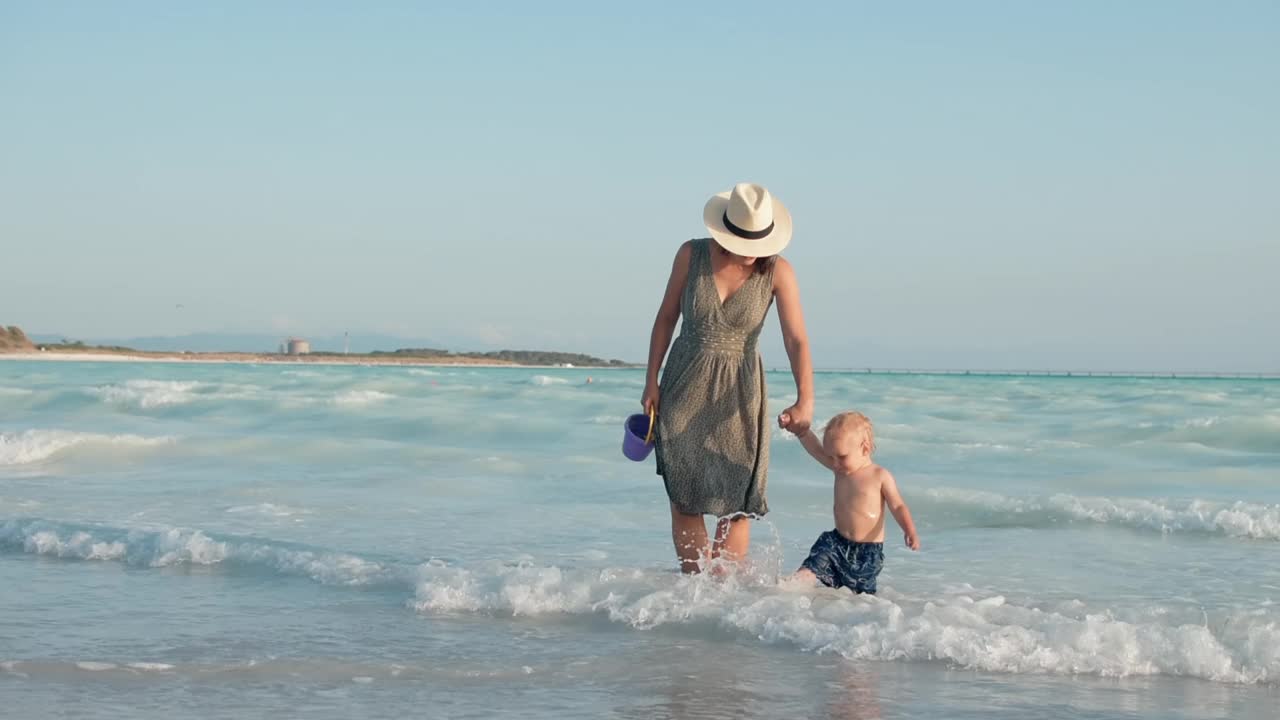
pixel 653 424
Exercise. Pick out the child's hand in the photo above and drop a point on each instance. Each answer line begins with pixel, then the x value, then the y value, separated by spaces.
pixel 796 419
pixel 912 541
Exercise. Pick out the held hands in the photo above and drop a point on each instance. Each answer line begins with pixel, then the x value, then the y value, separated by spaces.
pixel 796 419
pixel 912 541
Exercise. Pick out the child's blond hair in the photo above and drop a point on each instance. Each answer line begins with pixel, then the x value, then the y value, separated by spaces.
pixel 851 422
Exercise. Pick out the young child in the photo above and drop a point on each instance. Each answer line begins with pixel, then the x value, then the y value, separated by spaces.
pixel 852 554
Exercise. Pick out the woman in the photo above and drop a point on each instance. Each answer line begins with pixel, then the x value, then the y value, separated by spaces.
pixel 712 434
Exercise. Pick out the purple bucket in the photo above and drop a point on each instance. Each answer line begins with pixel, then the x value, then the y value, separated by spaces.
pixel 637 436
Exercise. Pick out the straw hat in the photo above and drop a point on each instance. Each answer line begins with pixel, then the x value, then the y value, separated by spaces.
pixel 748 221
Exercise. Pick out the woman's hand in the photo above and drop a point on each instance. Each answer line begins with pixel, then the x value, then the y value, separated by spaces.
pixel 649 399
pixel 796 419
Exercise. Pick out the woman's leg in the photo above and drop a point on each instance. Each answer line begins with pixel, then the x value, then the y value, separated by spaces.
pixel 733 537
pixel 689 533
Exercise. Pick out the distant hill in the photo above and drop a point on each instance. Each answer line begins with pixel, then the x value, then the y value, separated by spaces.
pixel 538 357
pixel 13 339
pixel 370 346
pixel 519 357
pixel 241 342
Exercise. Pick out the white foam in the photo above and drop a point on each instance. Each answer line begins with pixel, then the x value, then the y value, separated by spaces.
pixel 150 666
pixel 986 633
pixel 148 393
pixel 175 546
pixel 96 666
pixel 152 394
pixel 1236 519
pixel 15 392
pixel 423 372
pixel 361 397
pixel 1242 432
pixel 268 510
pixel 545 380
pixel 33 446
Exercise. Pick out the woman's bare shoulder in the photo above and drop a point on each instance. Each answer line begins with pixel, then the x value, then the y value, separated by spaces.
pixel 685 252
pixel 784 275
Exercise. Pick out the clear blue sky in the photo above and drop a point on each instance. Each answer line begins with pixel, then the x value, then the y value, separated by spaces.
pixel 973 184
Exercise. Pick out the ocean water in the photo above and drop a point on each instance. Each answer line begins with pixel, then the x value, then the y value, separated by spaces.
pixel 228 541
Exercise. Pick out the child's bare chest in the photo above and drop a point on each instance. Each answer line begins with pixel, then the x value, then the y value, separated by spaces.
pixel 859 494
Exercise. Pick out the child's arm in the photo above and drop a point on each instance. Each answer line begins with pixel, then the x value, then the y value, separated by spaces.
pixel 898 506
pixel 814 446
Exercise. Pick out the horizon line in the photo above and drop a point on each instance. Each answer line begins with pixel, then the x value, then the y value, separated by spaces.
pixel 1073 373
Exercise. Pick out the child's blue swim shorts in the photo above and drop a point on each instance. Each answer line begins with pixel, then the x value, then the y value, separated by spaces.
pixel 840 562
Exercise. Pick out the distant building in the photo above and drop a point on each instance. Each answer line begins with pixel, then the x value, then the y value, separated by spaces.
pixel 298 346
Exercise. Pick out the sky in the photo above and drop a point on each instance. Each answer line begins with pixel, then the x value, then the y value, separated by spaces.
pixel 973 185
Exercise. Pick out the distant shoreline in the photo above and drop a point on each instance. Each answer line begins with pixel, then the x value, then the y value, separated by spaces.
pixel 98 355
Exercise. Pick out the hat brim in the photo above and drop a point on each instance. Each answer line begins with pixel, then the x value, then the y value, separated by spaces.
pixel 771 244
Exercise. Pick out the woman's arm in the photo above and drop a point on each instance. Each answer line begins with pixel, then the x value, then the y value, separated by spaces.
pixel 786 290
pixel 664 324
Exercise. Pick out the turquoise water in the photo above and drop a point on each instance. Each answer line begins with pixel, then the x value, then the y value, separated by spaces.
pixel 231 540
